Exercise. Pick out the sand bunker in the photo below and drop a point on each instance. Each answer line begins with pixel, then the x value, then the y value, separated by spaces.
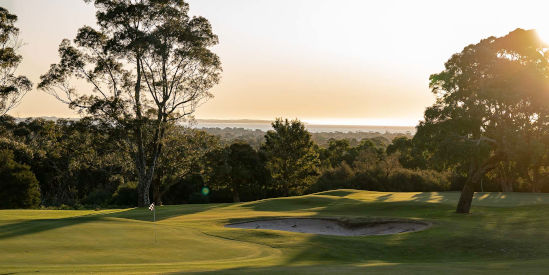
pixel 334 226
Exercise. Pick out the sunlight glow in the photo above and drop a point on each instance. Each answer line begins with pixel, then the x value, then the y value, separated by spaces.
pixel 543 34
pixel 348 63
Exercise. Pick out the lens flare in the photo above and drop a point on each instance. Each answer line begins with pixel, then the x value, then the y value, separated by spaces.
pixel 543 34
pixel 205 191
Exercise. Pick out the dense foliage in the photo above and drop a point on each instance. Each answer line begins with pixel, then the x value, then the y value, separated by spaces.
pixel 18 185
pixel 148 64
pixel 492 111
pixel 12 86
pixel 87 163
pixel 292 158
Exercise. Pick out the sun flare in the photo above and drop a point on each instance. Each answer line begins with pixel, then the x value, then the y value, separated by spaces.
pixel 543 34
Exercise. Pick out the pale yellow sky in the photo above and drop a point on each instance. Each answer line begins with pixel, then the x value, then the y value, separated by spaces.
pixel 336 62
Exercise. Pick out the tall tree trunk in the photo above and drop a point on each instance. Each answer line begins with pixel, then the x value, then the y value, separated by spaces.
pixel 143 192
pixel 506 185
pixel 466 198
pixel 535 180
pixel 236 196
pixel 140 160
pixel 157 198
pixel 505 180
pixel 473 178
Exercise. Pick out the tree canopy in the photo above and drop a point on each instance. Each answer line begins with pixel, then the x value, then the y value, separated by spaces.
pixel 291 157
pixel 490 97
pixel 12 87
pixel 148 64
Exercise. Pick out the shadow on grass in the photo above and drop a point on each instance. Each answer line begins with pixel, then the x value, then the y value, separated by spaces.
pixel 304 203
pixel 490 199
pixel 139 214
pixel 326 205
pixel 36 226
pixel 384 197
pixel 521 267
pixel 336 193
pixel 163 212
pixel 496 234
pixel 510 199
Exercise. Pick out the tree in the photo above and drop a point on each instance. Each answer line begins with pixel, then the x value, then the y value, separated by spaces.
pixel 12 87
pixel 336 152
pixel 291 157
pixel 184 154
pixel 18 185
pixel 148 65
pixel 490 97
pixel 80 161
pixel 240 169
pixel 409 154
pixel 367 153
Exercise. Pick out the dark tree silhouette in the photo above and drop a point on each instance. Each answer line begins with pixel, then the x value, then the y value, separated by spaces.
pixel 12 87
pixel 149 64
pixel 18 185
pixel 490 97
pixel 292 158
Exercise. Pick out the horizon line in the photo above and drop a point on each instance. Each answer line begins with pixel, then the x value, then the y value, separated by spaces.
pixel 249 120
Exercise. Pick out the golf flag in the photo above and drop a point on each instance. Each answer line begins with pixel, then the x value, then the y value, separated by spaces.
pixel 151 207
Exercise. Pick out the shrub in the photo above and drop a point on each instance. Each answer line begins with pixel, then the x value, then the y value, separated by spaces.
pixel 198 198
pixel 98 197
pixel 18 185
pixel 377 179
pixel 408 180
pixel 125 195
pixel 335 178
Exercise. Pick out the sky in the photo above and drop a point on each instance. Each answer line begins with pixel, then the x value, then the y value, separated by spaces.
pixel 324 62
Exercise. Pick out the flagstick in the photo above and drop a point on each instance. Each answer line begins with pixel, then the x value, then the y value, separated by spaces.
pixel 154 221
pixel 152 208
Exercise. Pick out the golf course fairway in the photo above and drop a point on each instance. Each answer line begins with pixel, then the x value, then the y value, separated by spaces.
pixel 506 233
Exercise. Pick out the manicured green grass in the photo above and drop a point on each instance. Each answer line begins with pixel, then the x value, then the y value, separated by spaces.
pixel 506 233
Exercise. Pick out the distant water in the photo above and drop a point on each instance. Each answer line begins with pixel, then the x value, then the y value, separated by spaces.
pixel 311 127
pixel 264 125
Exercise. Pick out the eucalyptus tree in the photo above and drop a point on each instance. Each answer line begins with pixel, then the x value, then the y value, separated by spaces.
pixel 185 150
pixel 12 87
pixel 147 64
pixel 490 98
pixel 291 157
pixel 237 168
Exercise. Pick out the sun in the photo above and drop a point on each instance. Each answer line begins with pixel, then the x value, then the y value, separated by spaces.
pixel 543 34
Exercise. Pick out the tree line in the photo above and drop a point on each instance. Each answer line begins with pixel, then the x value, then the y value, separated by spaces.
pixel 256 137
pixel 87 163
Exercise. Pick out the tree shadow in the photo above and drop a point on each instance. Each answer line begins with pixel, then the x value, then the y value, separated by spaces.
pixel 502 199
pixel 436 197
pixel 27 227
pixel 384 197
pixel 336 193
pixel 491 234
pixel 36 226
pixel 292 203
pixel 164 212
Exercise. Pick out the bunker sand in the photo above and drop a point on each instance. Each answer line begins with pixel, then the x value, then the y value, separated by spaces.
pixel 334 227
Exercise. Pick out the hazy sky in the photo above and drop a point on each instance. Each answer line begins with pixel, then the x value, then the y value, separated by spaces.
pixel 336 62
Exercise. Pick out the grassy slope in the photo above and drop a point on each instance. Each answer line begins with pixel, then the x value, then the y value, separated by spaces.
pixel 505 233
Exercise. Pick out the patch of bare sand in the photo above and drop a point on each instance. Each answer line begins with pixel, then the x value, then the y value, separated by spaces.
pixel 334 227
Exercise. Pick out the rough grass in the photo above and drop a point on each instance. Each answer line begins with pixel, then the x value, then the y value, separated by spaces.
pixel 507 233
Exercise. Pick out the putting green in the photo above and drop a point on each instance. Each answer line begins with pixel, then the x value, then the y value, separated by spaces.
pixel 507 232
